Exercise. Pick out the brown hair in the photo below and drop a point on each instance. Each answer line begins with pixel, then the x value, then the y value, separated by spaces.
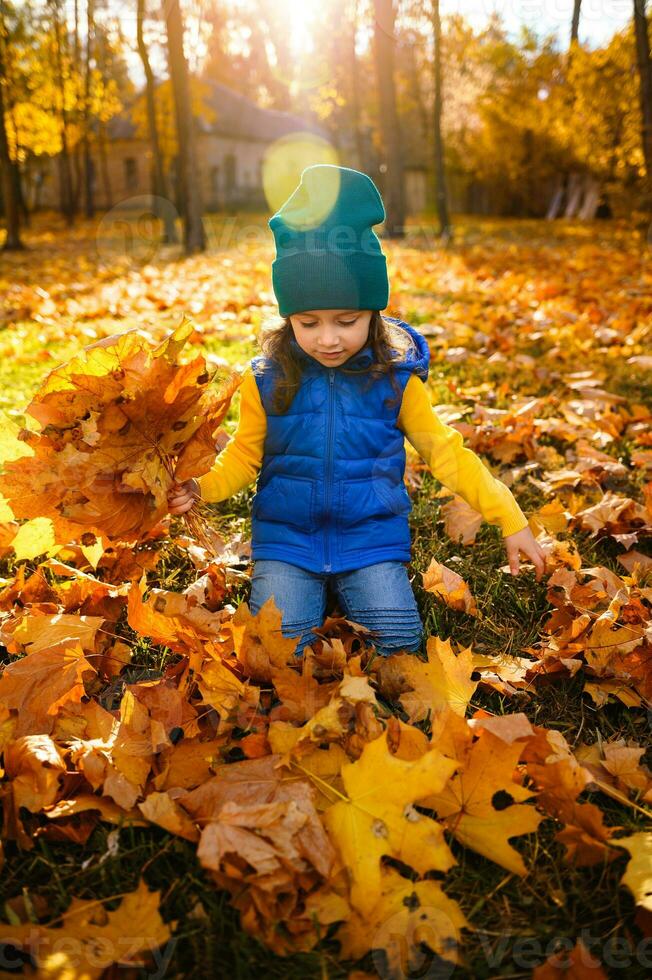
pixel 275 346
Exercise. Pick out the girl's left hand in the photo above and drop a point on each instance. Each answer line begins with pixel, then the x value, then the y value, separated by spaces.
pixel 524 541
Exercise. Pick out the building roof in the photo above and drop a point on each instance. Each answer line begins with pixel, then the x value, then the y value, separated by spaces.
pixel 236 116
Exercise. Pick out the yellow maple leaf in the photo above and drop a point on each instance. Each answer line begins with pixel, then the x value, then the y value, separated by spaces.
pixel 444 680
pixel 378 817
pixel 482 805
pixel 406 915
pixel 638 874
pixel 90 937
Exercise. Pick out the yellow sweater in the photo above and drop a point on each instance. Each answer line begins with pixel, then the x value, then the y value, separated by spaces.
pixel 440 445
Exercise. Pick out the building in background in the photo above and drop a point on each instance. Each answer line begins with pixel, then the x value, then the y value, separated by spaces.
pixel 231 150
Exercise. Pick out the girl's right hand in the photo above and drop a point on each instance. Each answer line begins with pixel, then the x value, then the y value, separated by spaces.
pixel 182 496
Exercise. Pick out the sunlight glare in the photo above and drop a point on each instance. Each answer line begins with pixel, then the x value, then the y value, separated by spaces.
pixel 285 160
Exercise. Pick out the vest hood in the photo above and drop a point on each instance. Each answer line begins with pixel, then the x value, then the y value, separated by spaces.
pixel 417 360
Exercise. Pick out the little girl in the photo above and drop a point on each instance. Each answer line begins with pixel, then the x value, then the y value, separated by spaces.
pixel 324 414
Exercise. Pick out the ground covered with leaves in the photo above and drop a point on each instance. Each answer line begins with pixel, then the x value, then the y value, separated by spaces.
pixel 179 793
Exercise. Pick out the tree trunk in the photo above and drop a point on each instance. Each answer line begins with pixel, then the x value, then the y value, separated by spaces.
pixel 10 114
pixel 194 237
pixel 575 23
pixel 415 83
pixel 445 230
pixel 89 201
pixel 591 199
pixel 159 185
pixel 67 202
pixel 104 167
pixel 645 95
pixel 393 184
pixel 354 107
pixel 101 139
pixel 11 206
pixel 574 195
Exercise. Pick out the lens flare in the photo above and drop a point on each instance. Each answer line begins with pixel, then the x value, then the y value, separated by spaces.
pixel 284 161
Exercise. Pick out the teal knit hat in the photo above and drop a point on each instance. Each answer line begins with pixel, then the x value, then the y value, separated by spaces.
pixel 327 254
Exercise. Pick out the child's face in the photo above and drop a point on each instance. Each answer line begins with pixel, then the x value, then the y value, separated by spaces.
pixel 344 332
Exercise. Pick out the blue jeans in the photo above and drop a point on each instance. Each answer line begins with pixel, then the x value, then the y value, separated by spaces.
pixel 378 597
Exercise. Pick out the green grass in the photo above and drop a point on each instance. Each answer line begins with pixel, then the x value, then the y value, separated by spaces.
pixel 556 901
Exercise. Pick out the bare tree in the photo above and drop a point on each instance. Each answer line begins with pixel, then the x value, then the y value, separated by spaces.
pixel 11 204
pixel 445 229
pixel 645 90
pixel 159 184
pixel 188 168
pixel 393 182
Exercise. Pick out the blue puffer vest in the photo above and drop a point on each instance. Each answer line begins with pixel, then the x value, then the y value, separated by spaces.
pixel 330 493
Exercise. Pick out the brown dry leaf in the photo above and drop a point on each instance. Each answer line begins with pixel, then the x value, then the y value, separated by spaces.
pixel 509 728
pixel 576 964
pixel 35 765
pixel 259 643
pixel 39 685
pixel 226 693
pixel 106 808
pixel 162 809
pixel 461 521
pixel 616 768
pixel 449 586
pixel 167 618
pixel 560 779
pixel 502 672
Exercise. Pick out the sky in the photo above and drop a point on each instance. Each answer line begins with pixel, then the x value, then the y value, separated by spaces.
pixel 599 19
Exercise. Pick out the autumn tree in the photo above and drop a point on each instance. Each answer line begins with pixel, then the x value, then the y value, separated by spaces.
pixel 188 167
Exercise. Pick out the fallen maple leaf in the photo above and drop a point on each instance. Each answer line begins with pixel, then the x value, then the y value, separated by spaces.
pixel 444 680
pixel 377 817
pixel 471 805
pixel 406 915
pixel 576 964
pixel 638 874
pixel 90 937
pixel 449 586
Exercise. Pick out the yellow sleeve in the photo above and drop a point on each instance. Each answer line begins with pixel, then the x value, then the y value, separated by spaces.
pixel 457 468
pixel 239 462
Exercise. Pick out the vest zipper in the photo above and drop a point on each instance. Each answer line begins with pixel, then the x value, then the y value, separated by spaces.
pixel 329 464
